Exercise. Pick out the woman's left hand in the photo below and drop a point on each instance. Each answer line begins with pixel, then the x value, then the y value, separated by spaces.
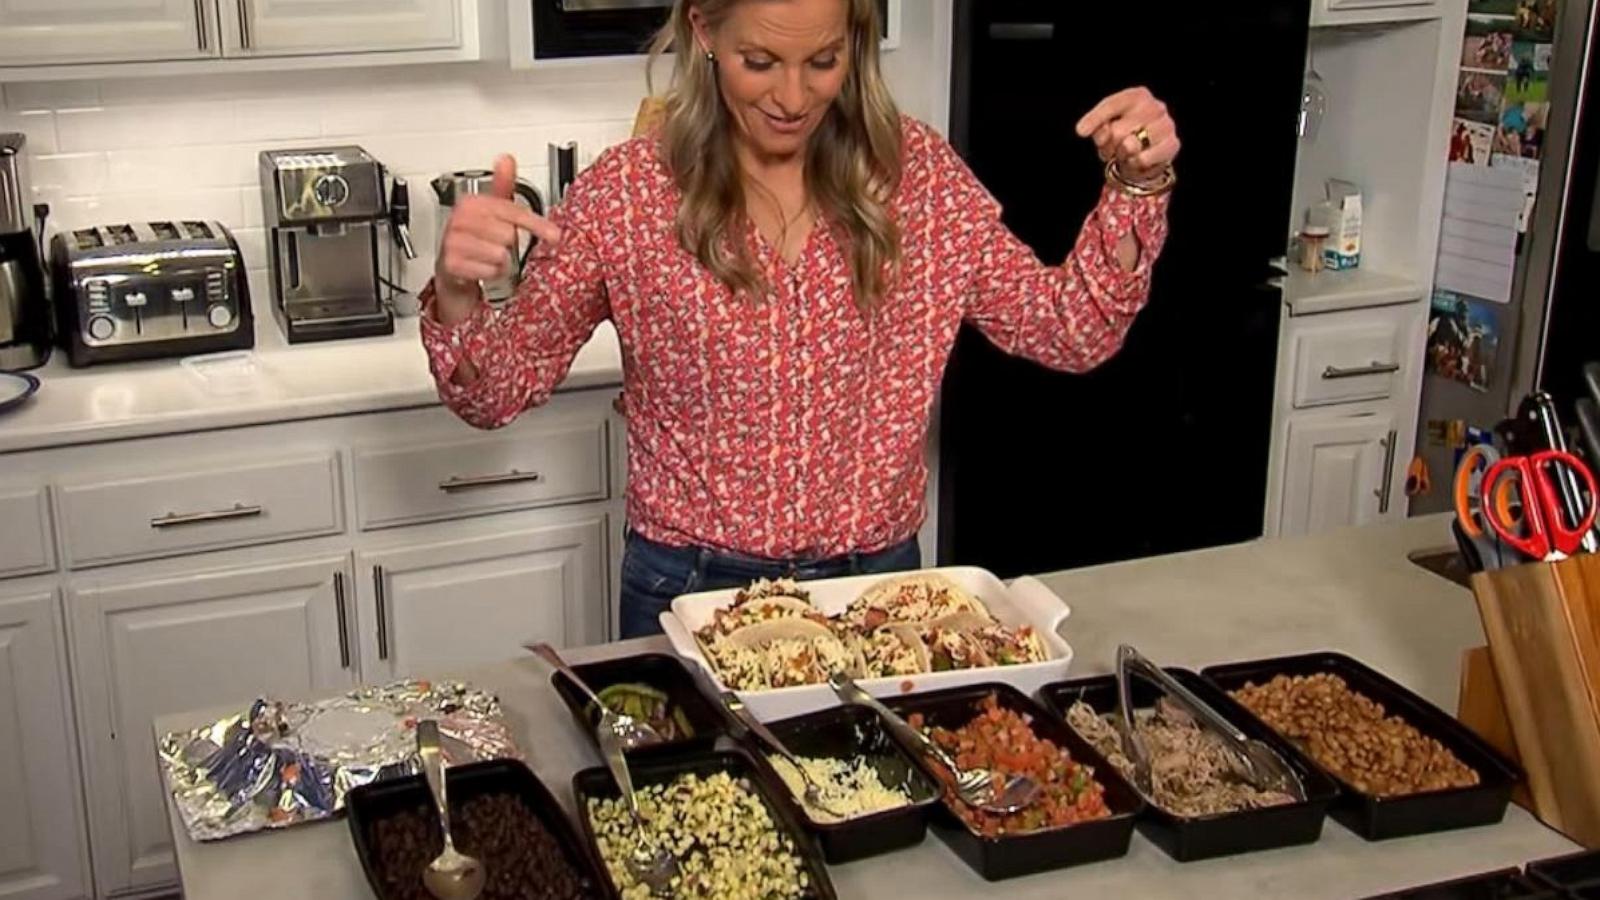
pixel 1133 128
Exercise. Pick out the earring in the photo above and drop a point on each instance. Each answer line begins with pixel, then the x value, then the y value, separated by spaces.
pixel 711 57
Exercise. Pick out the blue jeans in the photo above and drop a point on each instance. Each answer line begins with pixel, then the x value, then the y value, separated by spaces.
pixel 654 574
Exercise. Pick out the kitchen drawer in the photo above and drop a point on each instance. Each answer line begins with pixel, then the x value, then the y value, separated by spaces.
pixel 140 515
pixel 25 543
pixel 1342 363
pixel 514 469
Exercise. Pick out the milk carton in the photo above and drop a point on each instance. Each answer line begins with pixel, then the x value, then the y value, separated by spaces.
pixel 1342 216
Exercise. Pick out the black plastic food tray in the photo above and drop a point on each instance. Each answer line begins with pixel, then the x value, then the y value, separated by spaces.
pixel 1506 884
pixel 1010 856
pixel 596 783
pixel 848 732
pixel 1186 839
pixel 1380 818
pixel 370 803
pixel 659 670
pixel 1575 871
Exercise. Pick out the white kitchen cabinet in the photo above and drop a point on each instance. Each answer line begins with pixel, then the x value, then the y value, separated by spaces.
pixel 447 603
pixel 1367 12
pixel 174 639
pixel 291 27
pixel 25 545
pixel 85 31
pixel 43 852
pixel 1341 472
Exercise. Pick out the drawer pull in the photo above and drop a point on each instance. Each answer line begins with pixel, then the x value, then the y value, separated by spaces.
pixel 344 623
pixel 460 483
pixel 1384 493
pixel 1333 373
pixel 382 602
pixel 238 511
pixel 200 25
pixel 245 12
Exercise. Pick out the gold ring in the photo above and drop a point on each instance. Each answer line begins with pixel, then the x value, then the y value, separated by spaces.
pixel 1143 134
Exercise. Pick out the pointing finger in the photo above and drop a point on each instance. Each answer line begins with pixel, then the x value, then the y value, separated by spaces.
pixel 538 226
pixel 1107 110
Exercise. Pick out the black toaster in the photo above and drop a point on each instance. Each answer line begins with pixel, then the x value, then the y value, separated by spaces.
pixel 150 289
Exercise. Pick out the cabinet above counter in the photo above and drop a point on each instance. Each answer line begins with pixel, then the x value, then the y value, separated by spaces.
pixel 203 37
pixel 81 406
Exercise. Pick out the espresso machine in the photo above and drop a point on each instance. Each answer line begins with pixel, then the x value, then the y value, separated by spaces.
pixel 324 209
pixel 25 321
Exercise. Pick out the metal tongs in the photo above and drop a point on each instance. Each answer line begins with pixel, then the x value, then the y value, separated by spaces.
pixel 1253 761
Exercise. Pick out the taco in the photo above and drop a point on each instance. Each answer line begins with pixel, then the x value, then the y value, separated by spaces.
pixel 1011 646
pixel 763 588
pixel 755 611
pixel 780 652
pixel 893 650
pixel 950 649
pixel 918 599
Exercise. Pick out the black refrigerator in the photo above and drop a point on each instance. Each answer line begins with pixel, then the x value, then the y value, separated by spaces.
pixel 1165 447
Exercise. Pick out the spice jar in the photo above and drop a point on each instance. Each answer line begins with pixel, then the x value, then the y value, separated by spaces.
pixel 1313 238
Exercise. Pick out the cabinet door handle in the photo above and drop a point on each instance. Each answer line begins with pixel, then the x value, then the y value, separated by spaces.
pixel 344 622
pixel 468 482
pixel 243 7
pixel 383 612
pixel 1385 492
pixel 200 25
pixel 237 511
pixel 1334 373
pixel 1022 31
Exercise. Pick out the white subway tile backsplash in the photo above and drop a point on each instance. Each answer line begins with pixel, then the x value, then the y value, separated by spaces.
pixel 250 198
pixel 51 95
pixel 223 165
pixel 253 244
pixel 181 123
pixel 137 206
pixel 38 125
pixel 150 148
pixel 280 119
pixel 80 173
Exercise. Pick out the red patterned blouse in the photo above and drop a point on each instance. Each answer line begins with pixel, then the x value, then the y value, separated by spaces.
pixel 792 426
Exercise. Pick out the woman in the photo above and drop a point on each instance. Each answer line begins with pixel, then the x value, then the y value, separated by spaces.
pixel 787 262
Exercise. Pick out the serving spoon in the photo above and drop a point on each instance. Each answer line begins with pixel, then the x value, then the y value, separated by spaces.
pixel 990 791
pixel 1251 760
pixel 630 731
pixel 813 795
pixel 617 734
pixel 452 875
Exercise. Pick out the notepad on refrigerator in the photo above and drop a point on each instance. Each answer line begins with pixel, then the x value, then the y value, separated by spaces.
pixel 1478 240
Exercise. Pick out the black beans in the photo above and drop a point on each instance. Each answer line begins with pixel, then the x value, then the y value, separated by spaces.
pixel 522 859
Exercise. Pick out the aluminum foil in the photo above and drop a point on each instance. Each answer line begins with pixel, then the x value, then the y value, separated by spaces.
pixel 280 763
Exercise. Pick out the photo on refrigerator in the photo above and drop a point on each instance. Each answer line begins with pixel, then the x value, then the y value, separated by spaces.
pixel 1463 339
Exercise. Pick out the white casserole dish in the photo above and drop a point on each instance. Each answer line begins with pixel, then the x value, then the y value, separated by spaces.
pixel 1025 601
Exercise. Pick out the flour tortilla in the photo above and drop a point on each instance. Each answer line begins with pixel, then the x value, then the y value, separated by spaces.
pixel 896 598
pixel 751 612
pixel 906 636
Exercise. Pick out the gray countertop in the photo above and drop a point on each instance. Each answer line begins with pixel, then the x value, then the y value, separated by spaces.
pixel 1352 590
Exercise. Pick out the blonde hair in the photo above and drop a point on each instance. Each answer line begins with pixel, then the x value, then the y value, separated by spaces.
pixel 852 165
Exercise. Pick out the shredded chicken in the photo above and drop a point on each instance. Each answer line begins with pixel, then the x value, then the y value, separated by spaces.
pixel 1189 770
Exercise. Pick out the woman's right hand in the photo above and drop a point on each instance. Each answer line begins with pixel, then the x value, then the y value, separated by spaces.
pixel 480 240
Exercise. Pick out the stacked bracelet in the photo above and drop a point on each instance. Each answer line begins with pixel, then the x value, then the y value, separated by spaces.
pixel 1163 184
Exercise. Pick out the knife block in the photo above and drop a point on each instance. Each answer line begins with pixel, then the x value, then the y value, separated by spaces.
pixel 1543 624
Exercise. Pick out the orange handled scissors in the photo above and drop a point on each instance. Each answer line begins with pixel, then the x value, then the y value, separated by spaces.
pixel 1544 532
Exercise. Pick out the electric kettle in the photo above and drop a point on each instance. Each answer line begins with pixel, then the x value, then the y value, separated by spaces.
pixel 452 185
